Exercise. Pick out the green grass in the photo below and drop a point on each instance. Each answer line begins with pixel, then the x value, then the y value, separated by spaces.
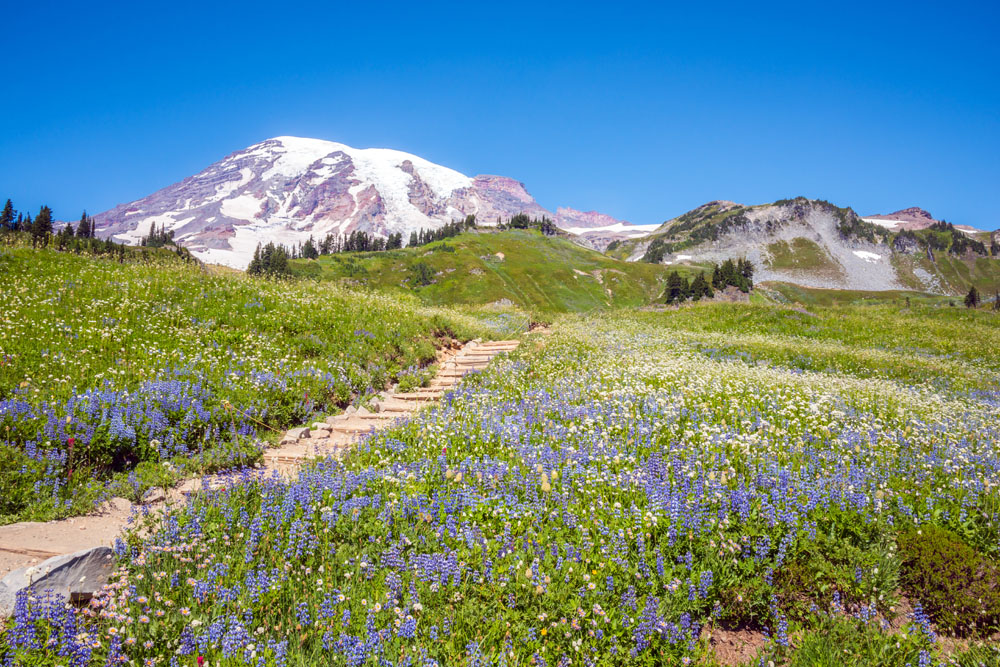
pixel 802 254
pixel 954 274
pixel 789 293
pixel 602 494
pixel 541 274
pixel 155 360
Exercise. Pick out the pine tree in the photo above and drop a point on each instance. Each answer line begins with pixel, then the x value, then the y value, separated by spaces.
pixel 256 267
pixel 717 281
pixel 996 301
pixel 309 250
pixel 83 230
pixel 43 223
pixel 700 287
pixel 972 298
pixel 675 288
pixel 685 289
pixel 7 216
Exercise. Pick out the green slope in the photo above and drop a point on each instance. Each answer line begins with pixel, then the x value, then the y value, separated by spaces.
pixel 538 273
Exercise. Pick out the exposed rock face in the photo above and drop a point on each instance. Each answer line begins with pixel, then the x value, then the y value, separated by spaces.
pixel 800 241
pixel 912 218
pixel 74 576
pixel 906 245
pixel 288 189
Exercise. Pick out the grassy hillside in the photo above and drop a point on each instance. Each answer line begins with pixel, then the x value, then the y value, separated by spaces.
pixel 788 293
pixel 542 274
pixel 110 369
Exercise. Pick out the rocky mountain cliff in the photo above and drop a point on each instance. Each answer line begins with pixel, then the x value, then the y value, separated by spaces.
pixel 816 244
pixel 287 189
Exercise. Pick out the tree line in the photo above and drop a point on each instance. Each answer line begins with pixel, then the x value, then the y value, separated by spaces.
pixel 81 238
pixel 737 274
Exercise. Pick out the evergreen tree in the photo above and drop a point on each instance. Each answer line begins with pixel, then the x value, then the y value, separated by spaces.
pixel 309 250
pixel 972 298
pixel 717 280
pixel 996 301
pixel 414 239
pixel 256 267
pixel 84 229
pixel 7 217
pixel 43 223
pixel 675 288
pixel 700 287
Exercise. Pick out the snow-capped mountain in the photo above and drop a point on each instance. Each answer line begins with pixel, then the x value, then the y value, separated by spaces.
pixel 287 189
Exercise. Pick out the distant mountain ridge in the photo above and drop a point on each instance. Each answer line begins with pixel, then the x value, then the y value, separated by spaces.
pixel 912 218
pixel 817 244
pixel 287 189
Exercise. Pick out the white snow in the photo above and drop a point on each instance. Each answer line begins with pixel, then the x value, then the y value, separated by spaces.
pixel 867 256
pixel 888 224
pixel 683 257
pixel 618 228
pixel 379 166
pixel 243 207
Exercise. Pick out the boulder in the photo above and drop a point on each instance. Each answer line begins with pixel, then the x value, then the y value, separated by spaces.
pixel 350 410
pixel 333 419
pixel 320 426
pixel 363 411
pixel 297 433
pixel 76 576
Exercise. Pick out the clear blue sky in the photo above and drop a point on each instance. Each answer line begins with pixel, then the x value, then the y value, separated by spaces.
pixel 636 110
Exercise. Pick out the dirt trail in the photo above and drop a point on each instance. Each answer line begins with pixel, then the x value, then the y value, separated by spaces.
pixel 28 543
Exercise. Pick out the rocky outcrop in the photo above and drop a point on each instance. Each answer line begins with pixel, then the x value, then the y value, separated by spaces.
pixel 75 577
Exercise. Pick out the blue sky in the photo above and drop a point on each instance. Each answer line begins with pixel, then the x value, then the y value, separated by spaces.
pixel 640 111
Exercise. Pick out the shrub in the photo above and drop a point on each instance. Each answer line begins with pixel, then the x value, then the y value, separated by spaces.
pixel 956 584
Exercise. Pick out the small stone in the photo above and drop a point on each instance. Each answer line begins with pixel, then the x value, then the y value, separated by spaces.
pixel 298 433
pixel 153 495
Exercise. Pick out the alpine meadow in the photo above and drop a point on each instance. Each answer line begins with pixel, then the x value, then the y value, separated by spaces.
pixel 520 335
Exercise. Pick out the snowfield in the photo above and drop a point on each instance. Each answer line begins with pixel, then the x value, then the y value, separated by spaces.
pixel 867 256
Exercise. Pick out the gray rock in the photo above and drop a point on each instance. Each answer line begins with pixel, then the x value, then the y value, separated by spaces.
pixel 320 426
pixel 363 411
pixel 350 410
pixel 153 495
pixel 298 433
pixel 75 576
pixel 330 421
pixel 377 405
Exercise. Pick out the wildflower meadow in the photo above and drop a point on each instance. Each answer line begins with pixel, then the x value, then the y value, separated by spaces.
pixel 117 376
pixel 625 490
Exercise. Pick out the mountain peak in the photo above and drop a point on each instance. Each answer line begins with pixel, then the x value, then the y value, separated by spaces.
pixel 287 189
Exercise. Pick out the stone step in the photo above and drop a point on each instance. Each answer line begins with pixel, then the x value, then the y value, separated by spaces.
pixel 419 397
